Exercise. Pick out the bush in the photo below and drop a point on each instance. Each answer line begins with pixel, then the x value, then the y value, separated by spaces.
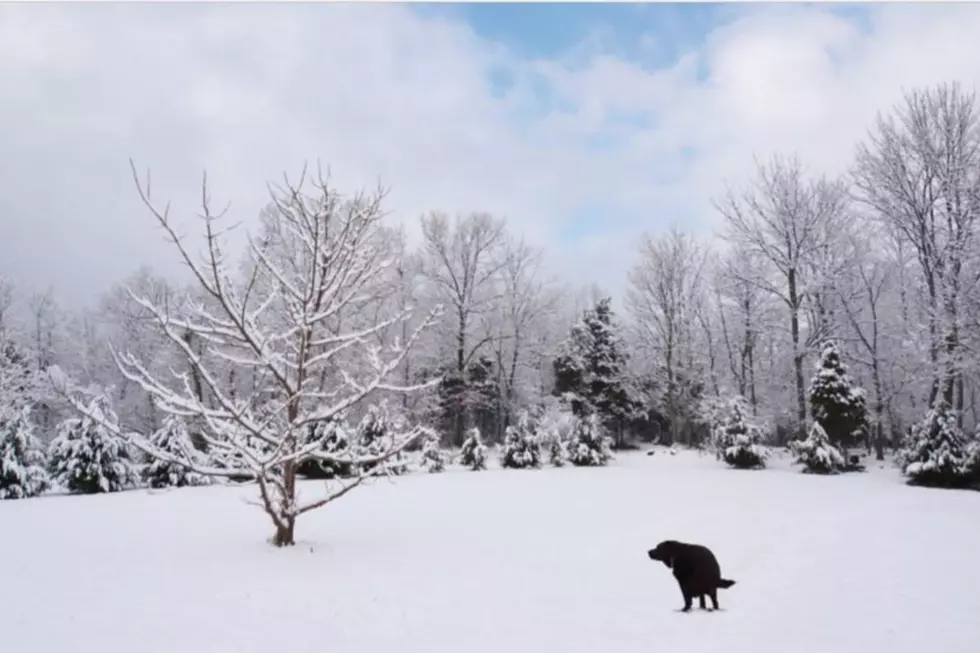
pixel 173 438
pixel 739 442
pixel 938 454
pixel 589 446
pixel 474 452
pixel 433 459
pixel 817 454
pixel 521 449
pixel 22 464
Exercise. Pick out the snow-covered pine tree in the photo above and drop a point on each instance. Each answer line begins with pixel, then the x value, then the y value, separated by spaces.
pixel 275 317
pixel 521 449
pixel 554 430
pixel 835 402
pixel 937 453
pixel 86 457
pixel 22 462
pixel 589 445
pixel 432 458
pixel 590 369
pixel 473 453
pixel 737 441
pixel 817 453
pixel 174 438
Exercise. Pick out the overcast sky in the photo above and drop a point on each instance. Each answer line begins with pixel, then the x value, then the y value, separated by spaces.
pixel 584 126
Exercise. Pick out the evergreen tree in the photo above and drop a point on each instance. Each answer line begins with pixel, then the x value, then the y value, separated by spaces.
pixel 817 453
pixel 836 403
pixel 590 370
pixel 86 458
pixel 374 433
pixel 432 459
pixel 173 438
pixel 474 452
pixel 589 446
pixel 937 453
pixel 521 448
pixel 335 438
pixel 554 429
pixel 22 464
pixel 737 441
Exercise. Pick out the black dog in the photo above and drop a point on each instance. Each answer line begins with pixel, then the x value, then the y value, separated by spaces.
pixel 695 568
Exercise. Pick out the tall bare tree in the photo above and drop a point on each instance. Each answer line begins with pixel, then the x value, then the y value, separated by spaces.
pixel 461 262
pixel 792 224
pixel 919 171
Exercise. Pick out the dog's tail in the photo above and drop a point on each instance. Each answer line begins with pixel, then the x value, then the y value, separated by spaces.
pixel 724 583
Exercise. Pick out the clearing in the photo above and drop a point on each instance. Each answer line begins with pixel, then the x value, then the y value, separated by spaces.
pixel 501 562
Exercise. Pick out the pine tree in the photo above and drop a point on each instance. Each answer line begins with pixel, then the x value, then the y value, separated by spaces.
pixel 173 438
pixel 590 370
pixel 817 453
pixel 554 429
pixel 474 452
pixel 521 449
pixel 86 458
pixel 737 441
pixel 589 446
pixel 937 453
pixel 22 464
pixel 836 403
pixel 432 458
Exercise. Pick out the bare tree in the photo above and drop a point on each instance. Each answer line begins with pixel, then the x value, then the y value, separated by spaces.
pixel 792 224
pixel 319 256
pixel 460 262
pixel 663 298
pixel 919 170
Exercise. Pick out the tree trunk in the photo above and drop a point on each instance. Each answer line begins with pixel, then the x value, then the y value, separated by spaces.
pixel 794 327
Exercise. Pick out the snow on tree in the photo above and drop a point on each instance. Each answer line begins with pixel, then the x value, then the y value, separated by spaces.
pixel 835 402
pixel 174 439
pixel 937 453
pixel 737 441
pixel 432 458
pixel 590 369
pixel 22 460
pixel 291 321
pixel 554 430
pixel 521 449
pixel 474 452
pixel 816 453
pixel 87 457
pixel 589 446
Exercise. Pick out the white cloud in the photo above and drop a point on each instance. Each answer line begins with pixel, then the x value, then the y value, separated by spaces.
pixel 248 91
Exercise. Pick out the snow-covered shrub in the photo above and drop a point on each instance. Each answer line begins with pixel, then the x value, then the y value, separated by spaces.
pixel 554 431
pixel 334 437
pixel 474 452
pixel 937 453
pixel 85 457
pixel 589 446
pixel 521 449
pixel 816 453
pixel 432 459
pixel 173 438
pixel 737 441
pixel 22 463
pixel 375 437
pixel 835 402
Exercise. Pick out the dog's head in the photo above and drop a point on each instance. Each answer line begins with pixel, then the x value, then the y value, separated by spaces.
pixel 665 552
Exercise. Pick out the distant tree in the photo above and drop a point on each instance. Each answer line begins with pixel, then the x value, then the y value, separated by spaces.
pixel 817 454
pixel 589 446
pixel 174 438
pixel 474 453
pixel 86 457
pixel 521 449
pixel 937 453
pixel 836 402
pixel 738 441
pixel 590 370
pixel 22 460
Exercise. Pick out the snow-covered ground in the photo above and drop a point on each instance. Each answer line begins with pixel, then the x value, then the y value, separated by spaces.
pixel 502 562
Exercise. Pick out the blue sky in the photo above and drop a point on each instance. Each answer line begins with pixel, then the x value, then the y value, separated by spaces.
pixel 587 127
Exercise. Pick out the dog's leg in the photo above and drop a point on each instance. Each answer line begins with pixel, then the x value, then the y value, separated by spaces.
pixel 688 599
pixel 701 602
pixel 714 598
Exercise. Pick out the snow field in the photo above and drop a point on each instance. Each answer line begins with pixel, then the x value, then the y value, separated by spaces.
pixel 508 561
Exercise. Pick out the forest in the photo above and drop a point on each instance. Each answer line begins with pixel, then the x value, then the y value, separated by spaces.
pixel 826 309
